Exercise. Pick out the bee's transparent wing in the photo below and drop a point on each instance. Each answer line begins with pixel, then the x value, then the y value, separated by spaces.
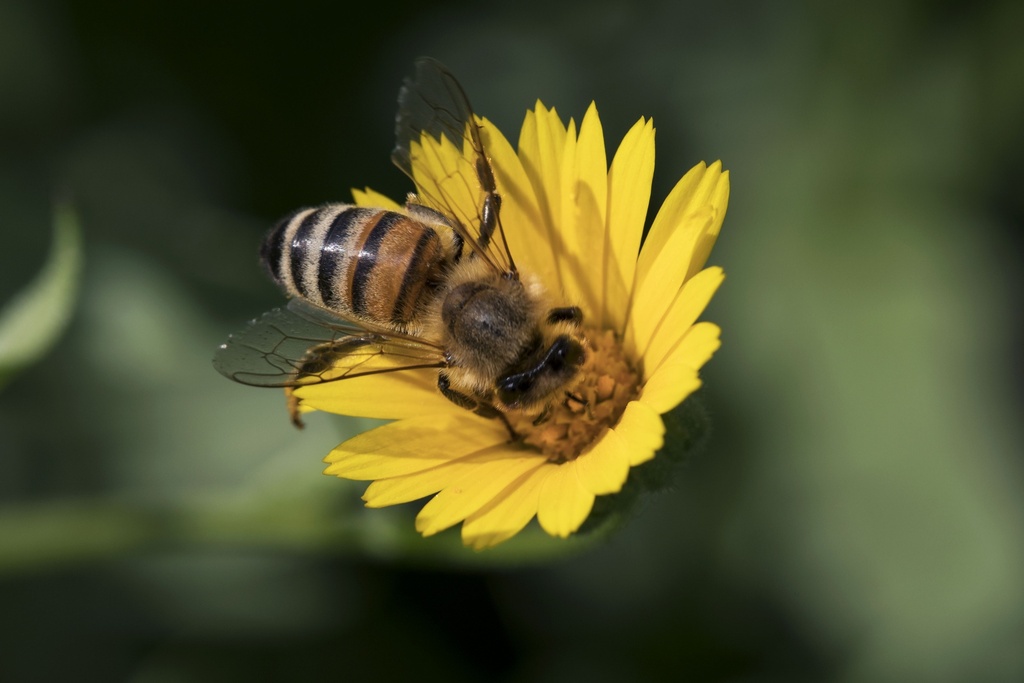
pixel 303 344
pixel 438 145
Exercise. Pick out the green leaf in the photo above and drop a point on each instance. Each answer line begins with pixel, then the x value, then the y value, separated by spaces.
pixel 34 318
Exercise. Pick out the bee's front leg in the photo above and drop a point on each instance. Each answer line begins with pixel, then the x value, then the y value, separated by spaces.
pixel 566 314
pixel 481 408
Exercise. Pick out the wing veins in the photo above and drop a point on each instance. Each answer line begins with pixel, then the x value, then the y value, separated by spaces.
pixel 433 103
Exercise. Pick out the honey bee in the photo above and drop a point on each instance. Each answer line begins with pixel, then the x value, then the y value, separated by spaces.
pixel 433 285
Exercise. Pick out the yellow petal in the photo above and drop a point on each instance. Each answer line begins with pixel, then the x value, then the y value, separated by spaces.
pixel 507 514
pixel 524 225
pixel 492 472
pixel 669 387
pixel 719 199
pixel 541 145
pixel 413 445
pixel 389 396
pixel 374 200
pixel 585 200
pixel 629 193
pixel 576 286
pixel 564 502
pixel 702 186
pixel 605 467
pixel 695 348
pixel 676 376
pixel 414 486
pixel 384 492
pixel 658 284
pixel 641 427
pixel 445 177
pixel 683 312
pixel 696 208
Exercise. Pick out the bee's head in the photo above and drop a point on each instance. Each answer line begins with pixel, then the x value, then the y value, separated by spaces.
pixel 542 376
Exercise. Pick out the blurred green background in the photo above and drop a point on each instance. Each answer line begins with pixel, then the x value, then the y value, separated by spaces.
pixel 857 514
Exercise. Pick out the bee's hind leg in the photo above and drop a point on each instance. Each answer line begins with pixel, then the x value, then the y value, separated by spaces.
pixel 481 408
pixel 293 408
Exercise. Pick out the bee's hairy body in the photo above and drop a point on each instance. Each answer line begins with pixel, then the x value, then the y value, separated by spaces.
pixel 430 285
pixel 405 272
pixel 494 327
pixel 372 264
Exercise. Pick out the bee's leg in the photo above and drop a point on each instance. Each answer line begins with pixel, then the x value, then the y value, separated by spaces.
pixel 317 360
pixel 489 411
pixel 571 398
pixel 567 314
pixel 481 408
pixel 489 217
pixel 444 384
pixel 293 407
pixel 544 416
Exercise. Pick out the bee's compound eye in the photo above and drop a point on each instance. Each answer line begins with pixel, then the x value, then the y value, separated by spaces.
pixel 512 389
pixel 556 366
pixel 564 352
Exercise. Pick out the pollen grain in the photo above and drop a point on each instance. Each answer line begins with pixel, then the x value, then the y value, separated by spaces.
pixel 607 383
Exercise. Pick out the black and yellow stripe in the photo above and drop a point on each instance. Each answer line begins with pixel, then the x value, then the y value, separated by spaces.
pixel 371 263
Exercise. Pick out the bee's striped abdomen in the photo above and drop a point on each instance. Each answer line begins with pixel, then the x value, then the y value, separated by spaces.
pixel 340 245
pixel 371 263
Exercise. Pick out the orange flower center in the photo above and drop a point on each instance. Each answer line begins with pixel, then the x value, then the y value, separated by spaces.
pixel 607 382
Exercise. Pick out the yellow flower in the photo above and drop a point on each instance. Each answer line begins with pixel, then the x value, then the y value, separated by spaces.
pixel 576 224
